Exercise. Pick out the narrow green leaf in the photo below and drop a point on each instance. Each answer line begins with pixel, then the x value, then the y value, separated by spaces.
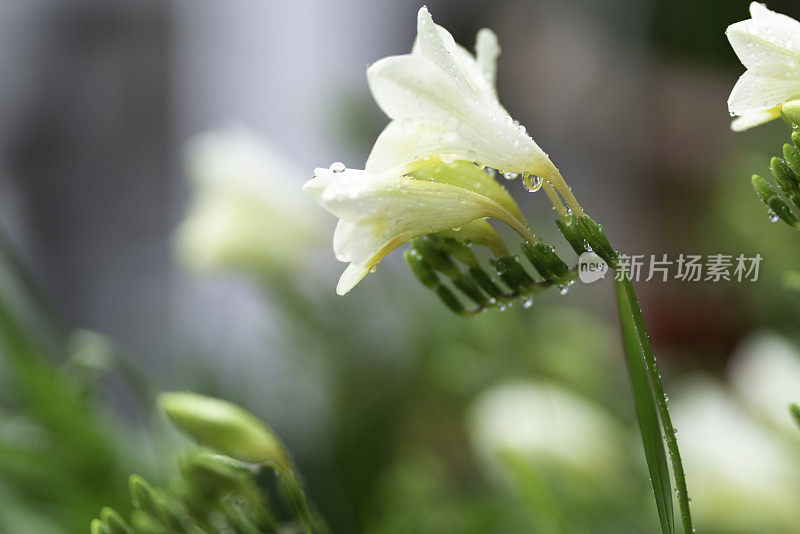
pixel 645 404
pixel 632 308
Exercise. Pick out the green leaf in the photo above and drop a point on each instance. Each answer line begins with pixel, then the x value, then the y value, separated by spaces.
pixel 644 402
pixel 644 372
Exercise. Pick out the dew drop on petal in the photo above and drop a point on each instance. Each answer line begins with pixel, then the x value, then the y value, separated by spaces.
pixel 509 175
pixel 532 182
pixel 337 167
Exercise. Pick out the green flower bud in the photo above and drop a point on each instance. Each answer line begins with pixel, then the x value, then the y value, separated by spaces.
pixel 544 259
pixel 784 175
pixel 98 527
pixel 485 282
pixel 450 300
pixel 435 256
pixel 468 286
pixel 777 205
pixel 421 270
pixel 569 230
pixel 792 157
pixel 592 234
pixel 512 273
pixel 763 189
pixel 143 494
pixel 791 110
pixel 226 427
pixel 796 139
pixel 459 251
pixel 114 522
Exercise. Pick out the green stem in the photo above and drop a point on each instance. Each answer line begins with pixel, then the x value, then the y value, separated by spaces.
pixel 627 292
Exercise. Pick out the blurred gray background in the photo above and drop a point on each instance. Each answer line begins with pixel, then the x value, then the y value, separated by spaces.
pixel 97 98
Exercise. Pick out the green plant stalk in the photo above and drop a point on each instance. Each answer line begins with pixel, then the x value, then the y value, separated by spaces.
pixel 292 487
pixel 629 303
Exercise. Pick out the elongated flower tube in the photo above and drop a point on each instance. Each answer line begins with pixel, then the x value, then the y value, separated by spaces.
pixel 443 105
pixel 379 212
pixel 768 44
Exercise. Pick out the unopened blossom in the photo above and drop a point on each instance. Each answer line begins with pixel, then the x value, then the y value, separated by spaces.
pixel 380 211
pixel 768 44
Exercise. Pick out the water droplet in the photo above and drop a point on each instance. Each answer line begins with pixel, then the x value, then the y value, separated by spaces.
pixel 773 217
pixel 522 129
pixel 563 289
pixel 490 171
pixel 532 182
pixel 509 175
pixel 337 167
pixel 526 301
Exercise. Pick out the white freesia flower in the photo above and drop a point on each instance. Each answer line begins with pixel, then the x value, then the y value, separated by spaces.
pixel 768 44
pixel 443 105
pixel 765 372
pixel 247 211
pixel 543 422
pixel 380 211
pixel 742 477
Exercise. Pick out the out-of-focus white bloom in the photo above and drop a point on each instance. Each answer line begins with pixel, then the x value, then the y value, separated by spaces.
pixel 379 212
pixel 742 478
pixel 765 371
pixel 247 210
pixel 543 422
pixel 768 44
pixel 443 105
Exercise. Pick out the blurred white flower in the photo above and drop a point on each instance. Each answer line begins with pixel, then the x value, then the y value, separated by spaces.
pixel 765 371
pixel 379 212
pixel 247 211
pixel 545 423
pixel 768 44
pixel 742 477
pixel 443 105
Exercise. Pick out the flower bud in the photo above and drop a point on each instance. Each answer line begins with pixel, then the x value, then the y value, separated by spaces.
pixel 226 427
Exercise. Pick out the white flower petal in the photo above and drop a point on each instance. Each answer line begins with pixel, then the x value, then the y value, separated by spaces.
pixel 412 88
pixel 351 276
pixel 487 49
pixel 467 175
pixel 768 43
pixel 754 92
pixel 447 104
pixel 435 44
pixel 406 146
pixel 754 119
pixel 380 212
